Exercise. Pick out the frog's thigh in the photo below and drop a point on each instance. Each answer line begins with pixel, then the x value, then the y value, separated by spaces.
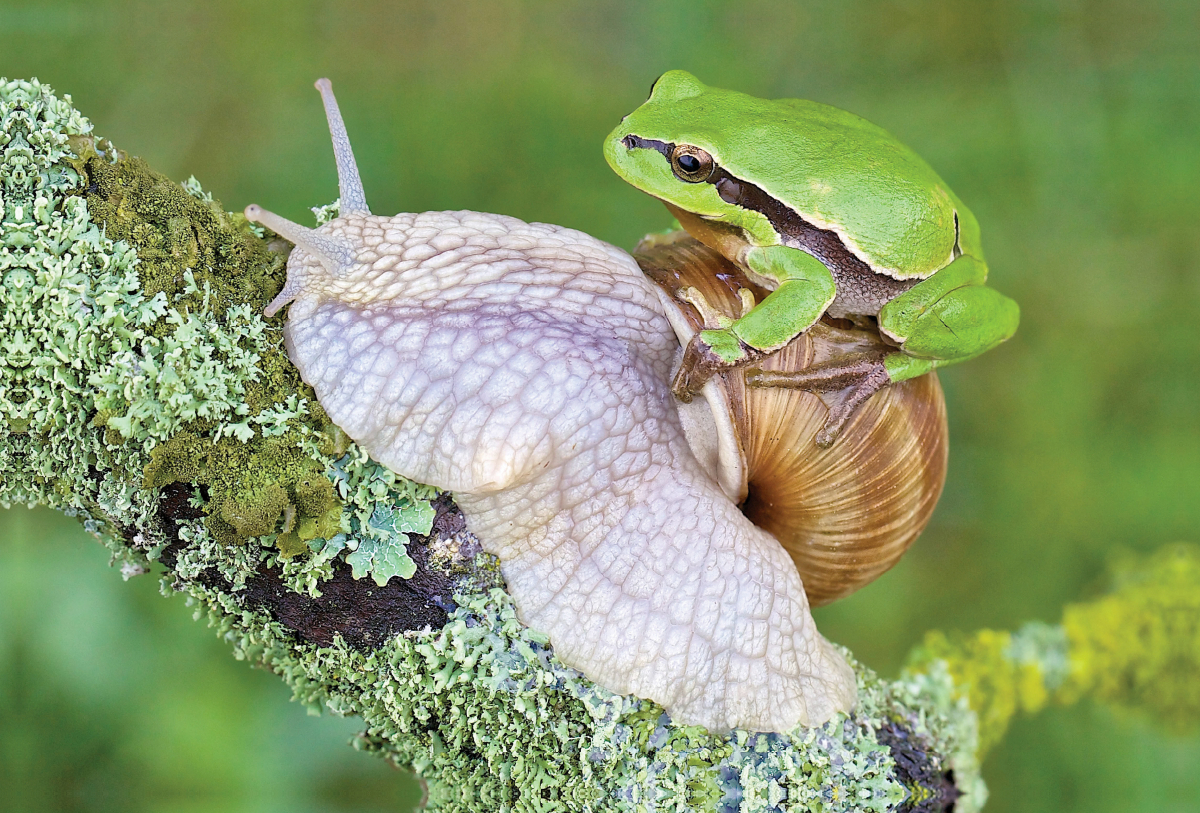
pixel 806 289
pixel 900 315
pixel 963 323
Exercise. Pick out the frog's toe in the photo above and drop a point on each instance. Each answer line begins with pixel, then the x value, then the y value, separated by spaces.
pixel 844 384
pixel 699 363
pixel 708 353
pixel 845 408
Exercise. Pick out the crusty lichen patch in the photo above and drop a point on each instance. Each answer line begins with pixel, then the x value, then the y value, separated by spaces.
pixel 1140 646
pixel 136 356
pixel 136 364
pixel 1136 647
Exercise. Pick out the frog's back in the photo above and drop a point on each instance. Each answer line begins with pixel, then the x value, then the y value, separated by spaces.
pixel 839 172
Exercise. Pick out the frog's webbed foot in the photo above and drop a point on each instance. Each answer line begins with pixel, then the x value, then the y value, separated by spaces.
pixel 851 379
pixel 707 353
pixel 699 363
pixel 714 349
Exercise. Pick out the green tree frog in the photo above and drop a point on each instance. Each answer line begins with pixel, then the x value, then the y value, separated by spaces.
pixel 829 213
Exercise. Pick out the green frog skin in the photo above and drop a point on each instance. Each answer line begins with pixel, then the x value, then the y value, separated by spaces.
pixel 828 212
pixel 525 368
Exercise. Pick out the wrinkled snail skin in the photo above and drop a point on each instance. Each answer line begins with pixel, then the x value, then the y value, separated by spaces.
pixel 523 367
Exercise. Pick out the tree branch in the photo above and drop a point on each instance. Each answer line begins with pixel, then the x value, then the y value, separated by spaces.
pixel 143 392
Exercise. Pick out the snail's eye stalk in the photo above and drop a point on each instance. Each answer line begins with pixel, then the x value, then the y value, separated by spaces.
pixel 354 199
pixel 335 253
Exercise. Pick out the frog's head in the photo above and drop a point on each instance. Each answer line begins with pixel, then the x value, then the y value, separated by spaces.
pixel 671 146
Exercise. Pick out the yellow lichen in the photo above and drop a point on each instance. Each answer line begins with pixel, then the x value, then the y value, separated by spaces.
pixel 1140 646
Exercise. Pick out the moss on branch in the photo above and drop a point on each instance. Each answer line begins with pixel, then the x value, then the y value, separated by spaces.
pixel 142 391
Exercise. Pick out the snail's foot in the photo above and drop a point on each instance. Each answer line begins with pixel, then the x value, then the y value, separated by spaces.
pixel 854 378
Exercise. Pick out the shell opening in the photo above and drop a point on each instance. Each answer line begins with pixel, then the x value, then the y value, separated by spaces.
pixel 350 187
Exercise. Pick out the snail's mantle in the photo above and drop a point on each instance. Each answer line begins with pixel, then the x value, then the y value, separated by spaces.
pixel 143 391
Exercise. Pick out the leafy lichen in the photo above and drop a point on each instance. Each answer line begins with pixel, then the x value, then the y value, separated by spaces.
pixel 69 301
pixel 484 712
pixel 135 356
pixel 141 389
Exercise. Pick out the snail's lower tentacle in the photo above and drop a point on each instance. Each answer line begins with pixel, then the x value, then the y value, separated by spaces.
pixel 524 367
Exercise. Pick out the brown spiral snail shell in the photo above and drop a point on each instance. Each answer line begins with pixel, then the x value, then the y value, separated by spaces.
pixel 846 513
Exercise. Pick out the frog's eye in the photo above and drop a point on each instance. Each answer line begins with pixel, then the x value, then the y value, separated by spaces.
pixel 691 164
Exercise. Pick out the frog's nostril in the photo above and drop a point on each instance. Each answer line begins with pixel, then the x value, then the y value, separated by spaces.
pixel 629 141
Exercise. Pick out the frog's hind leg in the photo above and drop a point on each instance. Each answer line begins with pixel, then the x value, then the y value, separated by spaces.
pixel 847 383
pixel 957 326
pixel 949 317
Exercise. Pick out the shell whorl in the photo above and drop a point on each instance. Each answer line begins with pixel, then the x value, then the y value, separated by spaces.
pixel 523 367
pixel 846 514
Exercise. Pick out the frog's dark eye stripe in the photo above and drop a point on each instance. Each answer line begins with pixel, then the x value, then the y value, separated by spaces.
pixel 825 245
pixel 633 142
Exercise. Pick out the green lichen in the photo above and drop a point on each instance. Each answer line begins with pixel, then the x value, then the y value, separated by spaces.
pixel 69 302
pixel 382 510
pixel 137 360
pixel 135 357
pixel 1140 646
pixel 982 671
pixel 1137 647
pixel 485 713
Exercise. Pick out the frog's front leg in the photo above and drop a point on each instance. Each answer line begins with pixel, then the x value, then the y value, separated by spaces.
pixel 805 289
pixel 950 317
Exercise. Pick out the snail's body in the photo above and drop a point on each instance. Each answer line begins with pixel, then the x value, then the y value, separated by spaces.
pixel 523 367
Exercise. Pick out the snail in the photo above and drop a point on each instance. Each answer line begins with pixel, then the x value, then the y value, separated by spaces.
pixel 847 512
pixel 524 368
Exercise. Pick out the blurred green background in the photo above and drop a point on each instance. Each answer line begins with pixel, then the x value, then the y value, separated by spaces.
pixel 1072 129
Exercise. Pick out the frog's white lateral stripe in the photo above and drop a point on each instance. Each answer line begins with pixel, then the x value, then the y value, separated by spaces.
pixel 851 246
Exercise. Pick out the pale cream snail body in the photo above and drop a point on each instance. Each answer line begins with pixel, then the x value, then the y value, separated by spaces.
pixel 525 368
